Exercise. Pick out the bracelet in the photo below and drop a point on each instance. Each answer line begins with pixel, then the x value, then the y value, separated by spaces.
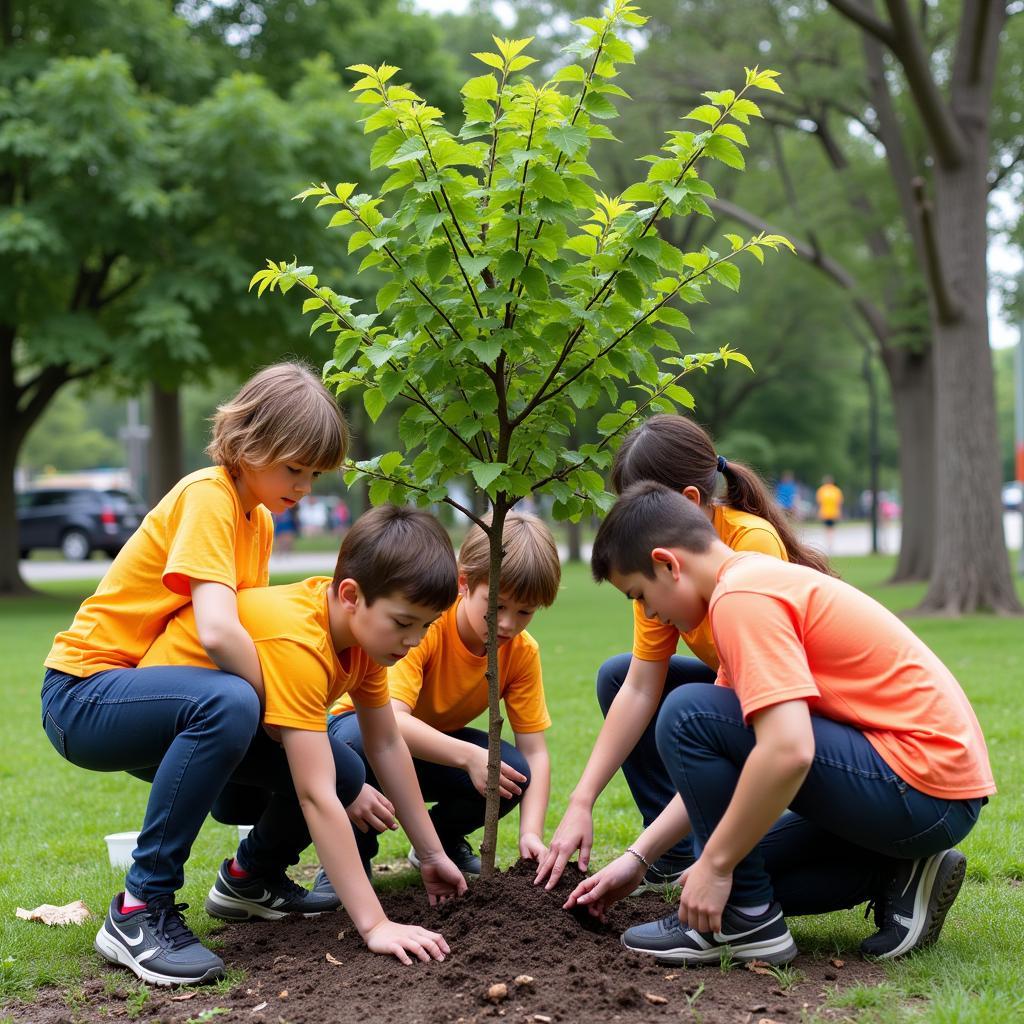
pixel 639 856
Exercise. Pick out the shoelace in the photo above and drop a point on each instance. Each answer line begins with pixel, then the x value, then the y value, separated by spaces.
pixel 284 886
pixel 169 925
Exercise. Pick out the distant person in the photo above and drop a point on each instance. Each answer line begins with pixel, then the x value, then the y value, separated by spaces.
pixel 186 729
pixel 830 508
pixel 286 529
pixel 342 517
pixel 785 494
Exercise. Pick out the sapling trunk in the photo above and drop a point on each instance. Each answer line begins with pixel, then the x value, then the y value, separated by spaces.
pixel 489 846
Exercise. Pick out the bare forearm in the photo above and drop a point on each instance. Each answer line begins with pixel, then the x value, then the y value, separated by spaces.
pixel 665 831
pixel 234 652
pixel 534 808
pixel 430 744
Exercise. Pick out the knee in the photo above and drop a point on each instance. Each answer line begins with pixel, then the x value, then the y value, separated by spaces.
pixel 677 710
pixel 233 708
pixel 610 677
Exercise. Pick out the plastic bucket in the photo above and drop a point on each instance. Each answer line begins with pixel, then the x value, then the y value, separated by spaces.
pixel 120 846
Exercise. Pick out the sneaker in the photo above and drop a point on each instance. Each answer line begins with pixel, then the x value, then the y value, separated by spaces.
pixel 269 897
pixel 664 873
pixel 155 943
pixel 461 855
pixel 765 937
pixel 322 884
pixel 910 914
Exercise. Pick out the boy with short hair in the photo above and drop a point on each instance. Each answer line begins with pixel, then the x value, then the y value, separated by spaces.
pixel 441 687
pixel 825 704
pixel 316 640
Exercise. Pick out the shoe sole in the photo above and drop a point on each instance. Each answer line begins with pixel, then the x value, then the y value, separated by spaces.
pixel 227 908
pixel 110 949
pixel 943 876
pixel 777 951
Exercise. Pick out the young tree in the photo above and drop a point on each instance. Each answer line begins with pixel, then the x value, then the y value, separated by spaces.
pixel 516 294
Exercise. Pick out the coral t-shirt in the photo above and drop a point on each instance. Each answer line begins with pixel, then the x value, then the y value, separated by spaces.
pixel 303 675
pixel 198 531
pixel 656 641
pixel 445 683
pixel 787 632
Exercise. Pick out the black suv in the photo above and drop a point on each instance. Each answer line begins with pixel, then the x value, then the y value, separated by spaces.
pixel 77 520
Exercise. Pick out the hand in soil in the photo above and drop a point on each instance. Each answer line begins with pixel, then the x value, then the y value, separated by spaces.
pixel 509 781
pixel 372 809
pixel 531 846
pixel 441 878
pixel 402 939
pixel 575 832
pixel 612 883
pixel 705 893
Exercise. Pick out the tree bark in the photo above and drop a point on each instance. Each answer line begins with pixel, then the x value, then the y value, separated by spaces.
pixel 166 458
pixel 11 583
pixel 574 541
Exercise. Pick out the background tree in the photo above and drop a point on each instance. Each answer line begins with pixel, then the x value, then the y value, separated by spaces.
pixel 516 295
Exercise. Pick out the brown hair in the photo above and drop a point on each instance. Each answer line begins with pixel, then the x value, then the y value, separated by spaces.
pixel 679 453
pixel 282 414
pixel 530 569
pixel 393 549
pixel 648 515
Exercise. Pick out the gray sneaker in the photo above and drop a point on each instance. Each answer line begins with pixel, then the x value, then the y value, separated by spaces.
pixel 271 898
pixel 322 884
pixel 765 937
pixel 461 854
pixel 155 943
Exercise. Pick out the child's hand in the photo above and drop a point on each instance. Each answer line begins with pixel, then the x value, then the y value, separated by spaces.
pixel 705 893
pixel 531 846
pixel 575 832
pixel 371 809
pixel 399 940
pixel 509 780
pixel 441 878
pixel 611 884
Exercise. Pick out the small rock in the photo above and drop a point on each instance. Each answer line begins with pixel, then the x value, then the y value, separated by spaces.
pixel 542 1018
pixel 671 977
pixel 655 1000
pixel 837 963
pixel 497 992
pixel 524 980
pixel 283 994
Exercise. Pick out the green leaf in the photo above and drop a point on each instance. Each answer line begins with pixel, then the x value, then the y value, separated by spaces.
pixel 438 261
pixel 743 110
pixel 510 265
pixel 490 59
pixel 720 148
pixel 486 348
pixel 568 138
pixel 380 492
pixel 727 274
pixel 390 462
pixel 374 403
pixel 485 473
pixel 597 106
pixel 389 293
pixel 570 73
pixel 627 285
pixel 483 88
pixel 705 113
pixel 640 192
pixel 474 265
pixel 547 183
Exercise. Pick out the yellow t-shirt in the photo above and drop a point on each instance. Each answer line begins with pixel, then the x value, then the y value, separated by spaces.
pixel 787 632
pixel 656 641
pixel 303 675
pixel 445 684
pixel 830 501
pixel 198 531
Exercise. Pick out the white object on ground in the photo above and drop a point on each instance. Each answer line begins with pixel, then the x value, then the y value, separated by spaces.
pixel 70 913
pixel 120 846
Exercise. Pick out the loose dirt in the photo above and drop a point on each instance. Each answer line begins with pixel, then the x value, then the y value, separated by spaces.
pixel 516 956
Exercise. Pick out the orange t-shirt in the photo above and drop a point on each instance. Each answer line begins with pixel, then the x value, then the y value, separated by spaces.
pixel 656 641
pixel 786 632
pixel 445 684
pixel 303 675
pixel 830 501
pixel 197 531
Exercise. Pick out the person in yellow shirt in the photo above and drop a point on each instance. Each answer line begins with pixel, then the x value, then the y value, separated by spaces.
pixel 185 729
pixel 317 640
pixel 830 508
pixel 441 687
pixel 631 688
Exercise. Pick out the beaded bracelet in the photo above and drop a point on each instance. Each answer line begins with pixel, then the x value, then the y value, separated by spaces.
pixel 639 856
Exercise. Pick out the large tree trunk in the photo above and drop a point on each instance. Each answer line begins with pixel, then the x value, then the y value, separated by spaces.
pixel 166 458
pixel 11 583
pixel 911 380
pixel 971 570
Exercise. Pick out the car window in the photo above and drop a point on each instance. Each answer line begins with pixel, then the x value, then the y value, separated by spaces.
pixel 47 499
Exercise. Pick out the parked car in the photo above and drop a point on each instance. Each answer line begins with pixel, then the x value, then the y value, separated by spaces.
pixel 1013 495
pixel 76 520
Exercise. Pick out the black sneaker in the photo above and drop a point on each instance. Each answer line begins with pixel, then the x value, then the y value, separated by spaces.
pixel 461 855
pixel 910 914
pixel 322 884
pixel 156 944
pixel 238 899
pixel 765 937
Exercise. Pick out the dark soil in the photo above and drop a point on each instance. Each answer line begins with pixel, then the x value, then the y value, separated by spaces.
pixel 575 971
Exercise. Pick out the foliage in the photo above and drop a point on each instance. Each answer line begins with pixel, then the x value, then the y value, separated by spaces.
pixel 515 294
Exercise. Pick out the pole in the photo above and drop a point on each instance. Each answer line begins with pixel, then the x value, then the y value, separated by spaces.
pixel 1018 432
pixel 873 446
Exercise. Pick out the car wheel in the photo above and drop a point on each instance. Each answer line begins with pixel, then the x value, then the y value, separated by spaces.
pixel 24 553
pixel 75 546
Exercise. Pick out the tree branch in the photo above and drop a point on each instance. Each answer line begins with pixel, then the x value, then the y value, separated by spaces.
pixel 422 490
pixel 949 309
pixel 862 16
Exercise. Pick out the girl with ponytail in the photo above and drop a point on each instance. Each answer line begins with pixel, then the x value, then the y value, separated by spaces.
pixel 679 453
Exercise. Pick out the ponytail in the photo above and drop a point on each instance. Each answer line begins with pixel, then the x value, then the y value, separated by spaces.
pixel 679 453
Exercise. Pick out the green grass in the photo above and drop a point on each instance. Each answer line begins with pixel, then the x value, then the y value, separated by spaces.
pixel 53 816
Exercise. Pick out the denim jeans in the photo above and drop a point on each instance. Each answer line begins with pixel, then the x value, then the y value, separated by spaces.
pixel 189 732
pixel 645 773
pixel 851 822
pixel 458 808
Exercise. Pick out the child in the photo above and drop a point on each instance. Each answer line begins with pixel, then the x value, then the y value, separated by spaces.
pixel 826 704
pixel 316 640
pixel 631 688
pixel 829 499
pixel 441 687
pixel 186 729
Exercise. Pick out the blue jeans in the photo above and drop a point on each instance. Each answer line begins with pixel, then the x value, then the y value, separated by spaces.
pixel 458 808
pixel 189 732
pixel 645 773
pixel 849 825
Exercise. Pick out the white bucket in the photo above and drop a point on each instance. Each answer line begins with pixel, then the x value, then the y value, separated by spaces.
pixel 120 846
pixel 243 831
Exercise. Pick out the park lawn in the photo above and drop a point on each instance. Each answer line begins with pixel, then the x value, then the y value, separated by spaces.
pixel 53 816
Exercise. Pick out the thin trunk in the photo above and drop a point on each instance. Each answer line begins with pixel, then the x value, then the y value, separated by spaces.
pixel 872 445
pixel 574 539
pixel 489 846
pixel 166 458
pixel 359 451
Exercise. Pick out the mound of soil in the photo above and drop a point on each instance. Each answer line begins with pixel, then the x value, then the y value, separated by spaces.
pixel 515 954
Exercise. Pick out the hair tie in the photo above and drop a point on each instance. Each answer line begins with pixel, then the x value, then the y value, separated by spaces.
pixel 722 463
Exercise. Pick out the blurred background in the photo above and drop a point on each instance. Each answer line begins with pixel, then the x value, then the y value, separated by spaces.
pixel 149 151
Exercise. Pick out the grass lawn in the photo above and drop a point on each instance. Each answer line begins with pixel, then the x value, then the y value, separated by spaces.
pixel 53 816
